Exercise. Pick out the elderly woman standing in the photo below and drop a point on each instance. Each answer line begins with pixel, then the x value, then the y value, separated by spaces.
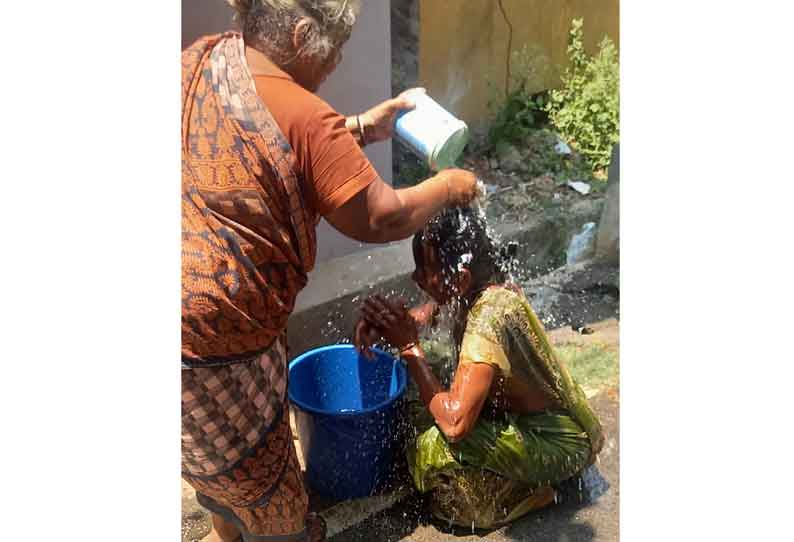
pixel 263 158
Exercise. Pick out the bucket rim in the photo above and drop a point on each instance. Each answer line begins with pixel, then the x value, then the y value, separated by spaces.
pixel 383 404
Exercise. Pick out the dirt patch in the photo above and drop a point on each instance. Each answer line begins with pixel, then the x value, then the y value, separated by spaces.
pixel 196 522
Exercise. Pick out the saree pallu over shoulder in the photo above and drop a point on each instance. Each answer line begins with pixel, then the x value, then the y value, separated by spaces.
pixel 503 316
pixel 248 236
pixel 508 464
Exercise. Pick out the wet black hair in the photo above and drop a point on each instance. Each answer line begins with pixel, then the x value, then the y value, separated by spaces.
pixel 459 237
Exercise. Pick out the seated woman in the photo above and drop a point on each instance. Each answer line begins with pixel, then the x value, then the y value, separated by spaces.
pixel 514 425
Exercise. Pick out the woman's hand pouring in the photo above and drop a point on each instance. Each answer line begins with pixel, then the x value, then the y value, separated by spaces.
pixel 378 122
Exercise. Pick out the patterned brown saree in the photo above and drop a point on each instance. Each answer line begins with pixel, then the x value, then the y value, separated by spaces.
pixel 248 242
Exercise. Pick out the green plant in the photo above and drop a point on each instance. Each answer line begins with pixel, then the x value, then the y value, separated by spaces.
pixel 522 107
pixel 516 117
pixel 585 110
pixel 593 366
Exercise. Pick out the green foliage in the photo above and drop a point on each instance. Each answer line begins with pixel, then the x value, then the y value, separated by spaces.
pixel 523 109
pixel 592 366
pixel 517 117
pixel 585 110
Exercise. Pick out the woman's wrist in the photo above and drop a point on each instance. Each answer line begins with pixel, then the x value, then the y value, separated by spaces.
pixel 355 126
pixel 411 350
pixel 362 129
pixel 445 177
pixel 409 346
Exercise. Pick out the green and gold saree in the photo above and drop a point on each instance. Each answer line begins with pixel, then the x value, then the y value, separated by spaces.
pixel 509 463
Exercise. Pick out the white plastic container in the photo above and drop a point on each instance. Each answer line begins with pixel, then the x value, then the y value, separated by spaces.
pixel 431 132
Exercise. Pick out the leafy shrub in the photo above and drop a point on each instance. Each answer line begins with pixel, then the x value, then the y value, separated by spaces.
pixel 517 116
pixel 523 107
pixel 585 110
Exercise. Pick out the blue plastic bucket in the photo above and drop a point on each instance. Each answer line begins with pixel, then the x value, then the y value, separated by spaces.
pixel 348 411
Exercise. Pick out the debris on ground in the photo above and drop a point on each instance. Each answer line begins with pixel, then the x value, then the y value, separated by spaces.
pixel 562 147
pixel 579 186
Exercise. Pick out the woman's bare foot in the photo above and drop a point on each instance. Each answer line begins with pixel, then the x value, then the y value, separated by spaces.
pixel 222 531
pixel 315 524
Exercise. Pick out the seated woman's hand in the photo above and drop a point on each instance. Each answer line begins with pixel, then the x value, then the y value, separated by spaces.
pixel 392 320
pixel 365 336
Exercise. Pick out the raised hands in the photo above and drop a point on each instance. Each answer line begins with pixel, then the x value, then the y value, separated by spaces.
pixel 387 321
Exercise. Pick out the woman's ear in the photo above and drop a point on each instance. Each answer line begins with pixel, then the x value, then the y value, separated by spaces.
pixel 301 31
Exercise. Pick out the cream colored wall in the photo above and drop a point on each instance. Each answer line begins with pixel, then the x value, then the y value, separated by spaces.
pixel 463 45
pixel 360 81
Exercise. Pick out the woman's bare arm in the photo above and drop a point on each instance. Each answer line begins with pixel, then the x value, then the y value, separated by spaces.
pixel 380 214
pixel 455 411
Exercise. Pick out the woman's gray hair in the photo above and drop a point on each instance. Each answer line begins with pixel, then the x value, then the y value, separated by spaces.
pixel 268 25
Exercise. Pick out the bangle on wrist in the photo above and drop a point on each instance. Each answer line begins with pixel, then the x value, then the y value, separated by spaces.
pixel 361 134
pixel 410 346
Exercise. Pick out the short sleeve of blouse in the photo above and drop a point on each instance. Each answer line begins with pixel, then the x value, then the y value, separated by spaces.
pixel 483 339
